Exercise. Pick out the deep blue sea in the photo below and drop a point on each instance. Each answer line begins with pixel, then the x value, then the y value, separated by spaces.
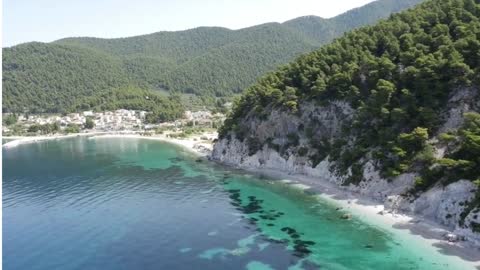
pixel 115 204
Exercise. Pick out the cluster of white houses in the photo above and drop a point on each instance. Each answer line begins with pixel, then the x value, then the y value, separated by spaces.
pixel 203 118
pixel 118 120
pixel 104 121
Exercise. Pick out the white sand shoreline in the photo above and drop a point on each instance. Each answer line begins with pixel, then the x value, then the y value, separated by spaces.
pixel 193 143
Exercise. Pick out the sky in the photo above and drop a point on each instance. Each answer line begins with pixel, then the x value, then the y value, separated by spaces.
pixel 49 20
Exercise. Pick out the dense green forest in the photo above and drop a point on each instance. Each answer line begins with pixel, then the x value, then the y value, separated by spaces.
pixel 36 77
pixel 398 76
pixel 210 62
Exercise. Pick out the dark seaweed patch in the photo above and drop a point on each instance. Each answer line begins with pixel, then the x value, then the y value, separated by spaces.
pixel 251 208
pixel 301 251
pixel 263 216
pixel 269 215
pixel 288 230
pixel 253 205
pixel 295 235
pixel 301 247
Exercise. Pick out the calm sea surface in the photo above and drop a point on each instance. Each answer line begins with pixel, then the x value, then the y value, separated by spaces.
pixel 137 204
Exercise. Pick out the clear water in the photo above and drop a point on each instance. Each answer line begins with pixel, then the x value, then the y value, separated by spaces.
pixel 138 204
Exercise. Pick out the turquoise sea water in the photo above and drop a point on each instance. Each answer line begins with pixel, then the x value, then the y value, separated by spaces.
pixel 137 204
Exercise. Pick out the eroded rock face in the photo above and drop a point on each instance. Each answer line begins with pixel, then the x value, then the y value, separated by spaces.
pixel 278 125
pixel 471 228
pixel 443 205
pixel 380 189
pixel 462 101
pixel 235 153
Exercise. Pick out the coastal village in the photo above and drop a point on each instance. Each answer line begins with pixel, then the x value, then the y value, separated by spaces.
pixel 121 120
pixel 196 130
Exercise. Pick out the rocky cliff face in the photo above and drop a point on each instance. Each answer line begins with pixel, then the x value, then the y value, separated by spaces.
pixel 283 142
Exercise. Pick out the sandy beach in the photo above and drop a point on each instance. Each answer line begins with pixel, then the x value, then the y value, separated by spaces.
pixel 193 143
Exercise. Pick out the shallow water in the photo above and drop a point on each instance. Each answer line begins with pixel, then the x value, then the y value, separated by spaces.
pixel 136 204
pixel 5 140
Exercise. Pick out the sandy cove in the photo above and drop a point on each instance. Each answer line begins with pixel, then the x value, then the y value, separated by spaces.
pixel 416 229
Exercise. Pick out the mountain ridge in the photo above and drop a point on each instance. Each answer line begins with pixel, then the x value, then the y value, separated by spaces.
pixel 209 62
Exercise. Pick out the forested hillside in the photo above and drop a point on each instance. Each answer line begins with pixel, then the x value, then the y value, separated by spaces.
pixel 401 98
pixel 207 61
pixel 42 77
